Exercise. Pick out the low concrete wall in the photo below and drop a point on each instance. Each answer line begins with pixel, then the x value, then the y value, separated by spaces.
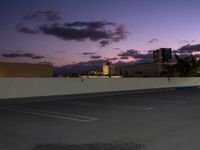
pixel 34 87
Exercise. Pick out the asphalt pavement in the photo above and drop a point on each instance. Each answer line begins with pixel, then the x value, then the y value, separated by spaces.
pixel 161 120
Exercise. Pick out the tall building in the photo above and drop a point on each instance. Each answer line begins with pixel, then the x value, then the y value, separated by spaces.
pixel 8 69
pixel 106 69
pixel 162 55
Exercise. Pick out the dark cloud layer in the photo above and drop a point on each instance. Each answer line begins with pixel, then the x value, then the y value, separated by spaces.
pixel 95 57
pixel 46 63
pixel 27 30
pixel 124 57
pixel 189 48
pixel 144 58
pixel 89 53
pixel 49 15
pixel 128 53
pixel 101 31
pixel 136 55
pixel 103 43
pixel 112 59
pixel 117 48
pixel 92 25
pixel 184 42
pixel 153 40
pixel 17 55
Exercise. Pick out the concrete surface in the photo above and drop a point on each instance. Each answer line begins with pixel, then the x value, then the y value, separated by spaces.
pixel 165 120
pixel 34 87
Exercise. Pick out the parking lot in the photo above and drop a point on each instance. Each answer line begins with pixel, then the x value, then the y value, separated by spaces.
pixel 161 120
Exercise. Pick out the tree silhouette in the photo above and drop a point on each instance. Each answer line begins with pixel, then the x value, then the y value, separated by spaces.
pixel 187 66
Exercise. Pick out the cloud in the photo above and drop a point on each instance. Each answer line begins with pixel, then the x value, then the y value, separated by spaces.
pixel 46 63
pixel 17 55
pixel 140 57
pixel 189 48
pixel 49 15
pixel 183 42
pixel 112 59
pixel 117 48
pixel 192 41
pixel 27 30
pixel 124 57
pixel 100 31
pixel 92 55
pixel 186 42
pixel 122 63
pixel 155 40
pixel 23 29
pixel 98 62
pixel 92 25
pixel 103 43
pixel 144 58
pixel 95 57
pixel 128 53
pixel 89 53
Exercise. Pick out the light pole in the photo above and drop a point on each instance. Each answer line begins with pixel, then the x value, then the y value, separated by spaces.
pixel 168 70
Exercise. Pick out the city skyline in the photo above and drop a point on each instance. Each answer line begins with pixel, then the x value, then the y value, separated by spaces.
pixel 76 32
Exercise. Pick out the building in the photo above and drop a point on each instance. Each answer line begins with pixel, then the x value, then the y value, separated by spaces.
pixel 155 69
pixel 106 73
pixel 8 69
pixel 138 70
pixel 107 69
pixel 162 55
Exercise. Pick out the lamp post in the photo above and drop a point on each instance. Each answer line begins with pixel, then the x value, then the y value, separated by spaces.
pixel 168 70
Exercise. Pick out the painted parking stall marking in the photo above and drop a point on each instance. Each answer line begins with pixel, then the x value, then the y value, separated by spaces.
pixel 73 117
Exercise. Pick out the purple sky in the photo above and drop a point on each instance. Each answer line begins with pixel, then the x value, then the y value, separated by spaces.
pixel 60 31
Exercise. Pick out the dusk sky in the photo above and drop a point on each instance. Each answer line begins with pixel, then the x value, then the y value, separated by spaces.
pixel 67 32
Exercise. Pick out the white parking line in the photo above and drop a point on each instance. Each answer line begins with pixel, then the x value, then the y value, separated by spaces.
pixel 73 117
pixel 109 106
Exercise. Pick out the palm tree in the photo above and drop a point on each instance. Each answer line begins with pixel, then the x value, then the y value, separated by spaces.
pixel 185 67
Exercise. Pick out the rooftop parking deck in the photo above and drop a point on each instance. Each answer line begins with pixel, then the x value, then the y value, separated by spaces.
pixel 162 120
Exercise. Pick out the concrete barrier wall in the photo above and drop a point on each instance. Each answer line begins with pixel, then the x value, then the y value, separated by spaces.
pixel 34 87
